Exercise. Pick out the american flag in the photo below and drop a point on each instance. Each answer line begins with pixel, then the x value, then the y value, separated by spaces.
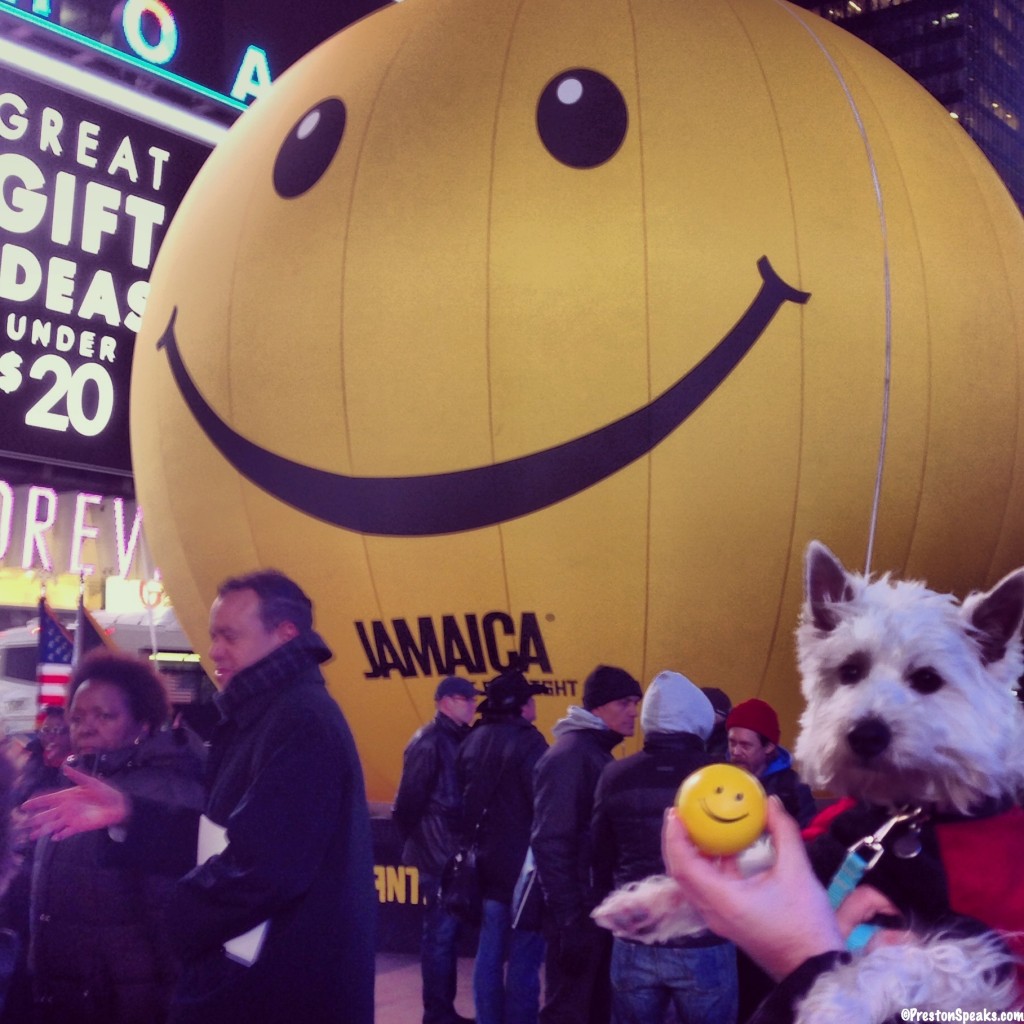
pixel 53 668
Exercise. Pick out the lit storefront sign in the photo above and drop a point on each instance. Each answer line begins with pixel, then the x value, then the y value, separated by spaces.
pixel 86 194
pixel 107 112
pixel 148 32
pixel 81 533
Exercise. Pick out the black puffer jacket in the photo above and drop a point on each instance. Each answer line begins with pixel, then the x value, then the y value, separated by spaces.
pixel 565 781
pixel 495 770
pixel 630 803
pixel 428 803
pixel 98 948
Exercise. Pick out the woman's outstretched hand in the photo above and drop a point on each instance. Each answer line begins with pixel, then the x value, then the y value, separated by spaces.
pixel 88 805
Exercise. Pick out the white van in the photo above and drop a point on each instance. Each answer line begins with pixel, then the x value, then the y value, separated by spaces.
pixel 155 635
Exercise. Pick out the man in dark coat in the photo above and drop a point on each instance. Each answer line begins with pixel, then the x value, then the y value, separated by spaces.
pixel 579 953
pixel 495 771
pixel 294 875
pixel 427 815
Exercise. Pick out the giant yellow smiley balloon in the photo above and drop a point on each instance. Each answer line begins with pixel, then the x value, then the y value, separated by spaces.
pixel 552 330
pixel 723 808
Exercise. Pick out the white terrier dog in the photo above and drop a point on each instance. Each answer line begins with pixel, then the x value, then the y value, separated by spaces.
pixel 910 696
pixel 913 719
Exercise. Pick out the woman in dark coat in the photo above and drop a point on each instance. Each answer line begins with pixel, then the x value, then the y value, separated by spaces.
pixel 98 955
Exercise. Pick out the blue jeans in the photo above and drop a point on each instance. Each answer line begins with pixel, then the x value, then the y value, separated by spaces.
pixel 700 981
pixel 438 956
pixel 512 997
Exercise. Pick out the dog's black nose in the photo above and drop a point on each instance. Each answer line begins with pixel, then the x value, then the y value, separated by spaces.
pixel 868 738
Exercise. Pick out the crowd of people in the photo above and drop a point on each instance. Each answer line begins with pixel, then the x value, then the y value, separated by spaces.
pixel 152 878
pixel 147 877
pixel 581 823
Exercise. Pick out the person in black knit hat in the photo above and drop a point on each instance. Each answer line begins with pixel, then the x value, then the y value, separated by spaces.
pixel 494 769
pixel 579 953
pixel 427 815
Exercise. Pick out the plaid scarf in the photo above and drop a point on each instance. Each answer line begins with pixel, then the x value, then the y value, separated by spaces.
pixel 287 665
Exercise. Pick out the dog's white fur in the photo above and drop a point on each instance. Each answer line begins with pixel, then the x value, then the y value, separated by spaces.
pixel 652 910
pixel 910 700
pixel 655 910
pixel 927 973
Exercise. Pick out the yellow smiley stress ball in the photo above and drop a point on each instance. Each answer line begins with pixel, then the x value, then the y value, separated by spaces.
pixel 723 808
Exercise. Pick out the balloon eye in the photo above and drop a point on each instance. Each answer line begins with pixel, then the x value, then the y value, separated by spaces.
pixel 309 149
pixel 582 118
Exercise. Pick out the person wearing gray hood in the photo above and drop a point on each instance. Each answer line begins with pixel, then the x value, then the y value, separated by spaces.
pixel 696 973
pixel 578 952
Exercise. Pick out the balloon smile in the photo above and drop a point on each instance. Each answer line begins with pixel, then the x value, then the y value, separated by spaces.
pixel 468 499
pixel 717 817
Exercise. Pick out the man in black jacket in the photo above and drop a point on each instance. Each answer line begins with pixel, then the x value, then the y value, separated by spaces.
pixel 495 769
pixel 579 953
pixel 697 974
pixel 427 814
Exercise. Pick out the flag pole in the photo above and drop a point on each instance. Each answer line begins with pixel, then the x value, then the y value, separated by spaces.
pixel 76 656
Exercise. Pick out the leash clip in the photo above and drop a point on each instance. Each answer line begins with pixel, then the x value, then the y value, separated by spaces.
pixel 860 858
pixel 872 844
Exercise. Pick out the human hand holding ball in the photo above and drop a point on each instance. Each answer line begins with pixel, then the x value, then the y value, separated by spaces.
pixel 723 809
pixel 780 916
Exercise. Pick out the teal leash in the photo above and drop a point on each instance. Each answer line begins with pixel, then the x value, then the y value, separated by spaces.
pixel 860 858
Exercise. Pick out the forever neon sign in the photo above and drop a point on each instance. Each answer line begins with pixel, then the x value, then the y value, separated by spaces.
pixel 34 524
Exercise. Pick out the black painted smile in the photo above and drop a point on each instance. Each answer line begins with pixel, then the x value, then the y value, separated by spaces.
pixel 717 817
pixel 471 498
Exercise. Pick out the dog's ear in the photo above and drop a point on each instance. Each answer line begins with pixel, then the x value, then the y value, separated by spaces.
pixel 826 584
pixel 996 616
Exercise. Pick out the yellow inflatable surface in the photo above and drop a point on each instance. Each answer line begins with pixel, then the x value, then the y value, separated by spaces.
pixel 553 330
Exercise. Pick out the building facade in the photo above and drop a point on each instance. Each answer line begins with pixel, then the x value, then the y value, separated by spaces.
pixel 969 54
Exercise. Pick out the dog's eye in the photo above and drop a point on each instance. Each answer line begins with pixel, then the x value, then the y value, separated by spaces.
pixel 926 680
pixel 853 670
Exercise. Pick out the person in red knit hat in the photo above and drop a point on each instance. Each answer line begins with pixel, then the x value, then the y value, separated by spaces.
pixel 753 728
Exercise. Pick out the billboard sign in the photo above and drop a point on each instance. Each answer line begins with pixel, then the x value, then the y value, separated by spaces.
pixel 86 194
